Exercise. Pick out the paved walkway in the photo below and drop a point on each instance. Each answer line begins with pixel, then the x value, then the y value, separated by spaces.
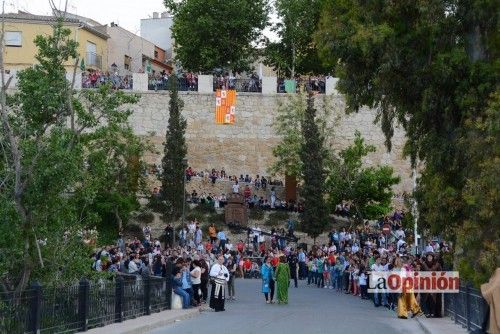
pixel 310 310
pixel 147 323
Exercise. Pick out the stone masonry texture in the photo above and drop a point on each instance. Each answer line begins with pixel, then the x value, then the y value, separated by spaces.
pixel 246 147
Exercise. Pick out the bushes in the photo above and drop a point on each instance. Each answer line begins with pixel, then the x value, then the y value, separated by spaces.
pixel 133 230
pixel 217 219
pixel 256 214
pixel 277 218
pixel 145 217
pixel 205 208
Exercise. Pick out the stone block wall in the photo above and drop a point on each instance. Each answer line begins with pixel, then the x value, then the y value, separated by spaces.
pixel 246 147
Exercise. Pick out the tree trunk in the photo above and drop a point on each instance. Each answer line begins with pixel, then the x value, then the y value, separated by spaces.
pixel 119 220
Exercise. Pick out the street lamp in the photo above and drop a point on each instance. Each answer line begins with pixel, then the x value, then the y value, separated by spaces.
pixel 184 167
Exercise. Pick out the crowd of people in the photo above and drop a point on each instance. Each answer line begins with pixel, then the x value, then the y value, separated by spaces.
pixel 95 78
pixel 187 81
pixel 238 82
pixel 343 264
pixel 302 84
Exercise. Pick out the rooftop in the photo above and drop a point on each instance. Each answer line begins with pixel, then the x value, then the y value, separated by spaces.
pixel 24 17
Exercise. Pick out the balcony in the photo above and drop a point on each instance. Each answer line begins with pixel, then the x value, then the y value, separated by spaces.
pixel 93 60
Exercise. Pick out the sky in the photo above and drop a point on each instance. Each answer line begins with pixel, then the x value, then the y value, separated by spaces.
pixel 126 13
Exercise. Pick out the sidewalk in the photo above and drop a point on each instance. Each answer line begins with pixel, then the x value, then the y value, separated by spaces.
pixel 439 325
pixel 146 323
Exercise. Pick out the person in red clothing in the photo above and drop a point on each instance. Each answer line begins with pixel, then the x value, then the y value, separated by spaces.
pixel 240 246
pixel 275 261
pixel 262 248
pixel 208 246
pixel 247 266
pixel 247 192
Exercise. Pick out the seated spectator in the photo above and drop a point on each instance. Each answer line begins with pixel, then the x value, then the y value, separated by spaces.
pixel 257 182
pixel 194 197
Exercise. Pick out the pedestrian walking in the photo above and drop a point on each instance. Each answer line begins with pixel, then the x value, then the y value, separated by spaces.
pixel 283 280
pixel 267 275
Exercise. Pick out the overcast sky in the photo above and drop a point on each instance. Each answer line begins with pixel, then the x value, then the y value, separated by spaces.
pixel 127 13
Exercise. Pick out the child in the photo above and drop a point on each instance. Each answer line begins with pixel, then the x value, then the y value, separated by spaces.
pixel 362 283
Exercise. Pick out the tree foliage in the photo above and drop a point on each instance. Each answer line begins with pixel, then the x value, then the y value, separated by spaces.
pixel 175 151
pixel 211 34
pixel 368 189
pixel 56 147
pixel 288 125
pixel 295 52
pixel 312 153
pixel 430 66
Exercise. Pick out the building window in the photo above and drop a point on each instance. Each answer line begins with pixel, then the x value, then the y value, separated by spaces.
pixel 127 62
pixel 13 38
pixel 156 54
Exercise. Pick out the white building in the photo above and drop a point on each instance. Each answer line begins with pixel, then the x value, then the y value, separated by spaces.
pixel 157 30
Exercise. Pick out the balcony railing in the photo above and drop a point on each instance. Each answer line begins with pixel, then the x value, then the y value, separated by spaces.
pixel 183 84
pixel 94 80
pixel 301 85
pixel 94 60
pixel 250 85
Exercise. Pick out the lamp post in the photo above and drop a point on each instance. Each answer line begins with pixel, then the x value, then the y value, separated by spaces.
pixel 184 167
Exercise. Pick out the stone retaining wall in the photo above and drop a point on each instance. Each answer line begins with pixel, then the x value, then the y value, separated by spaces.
pixel 246 147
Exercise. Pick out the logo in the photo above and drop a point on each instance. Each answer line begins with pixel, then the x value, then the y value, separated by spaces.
pixel 413 281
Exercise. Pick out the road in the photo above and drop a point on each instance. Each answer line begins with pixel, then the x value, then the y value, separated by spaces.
pixel 310 310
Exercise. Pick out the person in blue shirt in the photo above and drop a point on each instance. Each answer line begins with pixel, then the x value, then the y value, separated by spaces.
pixel 178 290
pixel 267 274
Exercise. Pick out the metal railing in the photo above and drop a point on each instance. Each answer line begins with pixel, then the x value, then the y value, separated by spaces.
pixel 302 85
pixel 116 81
pixel 183 84
pixel 86 305
pixel 249 85
pixel 467 308
pixel 93 59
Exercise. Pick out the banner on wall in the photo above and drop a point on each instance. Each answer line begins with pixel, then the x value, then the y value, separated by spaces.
pixel 225 106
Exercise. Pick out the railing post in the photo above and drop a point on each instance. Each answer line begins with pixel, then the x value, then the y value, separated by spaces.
pixel 168 292
pixel 455 300
pixel 467 304
pixel 83 304
pixel 119 293
pixel 147 292
pixel 35 308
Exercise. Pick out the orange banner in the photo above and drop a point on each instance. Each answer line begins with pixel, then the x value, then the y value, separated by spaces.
pixel 225 106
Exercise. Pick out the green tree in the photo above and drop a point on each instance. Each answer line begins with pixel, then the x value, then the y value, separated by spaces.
pixel 175 151
pixel 295 51
pixel 46 141
pixel 431 67
pixel 288 125
pixel 211 34
pixel 113 176
pixel 368 189
pixel 312 153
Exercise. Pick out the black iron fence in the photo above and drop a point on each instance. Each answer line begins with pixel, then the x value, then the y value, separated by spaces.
pixel 467 308
pixel 302 85
pixel 95 80
pixel 83 306
pixel 249 85
pixel 183 84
